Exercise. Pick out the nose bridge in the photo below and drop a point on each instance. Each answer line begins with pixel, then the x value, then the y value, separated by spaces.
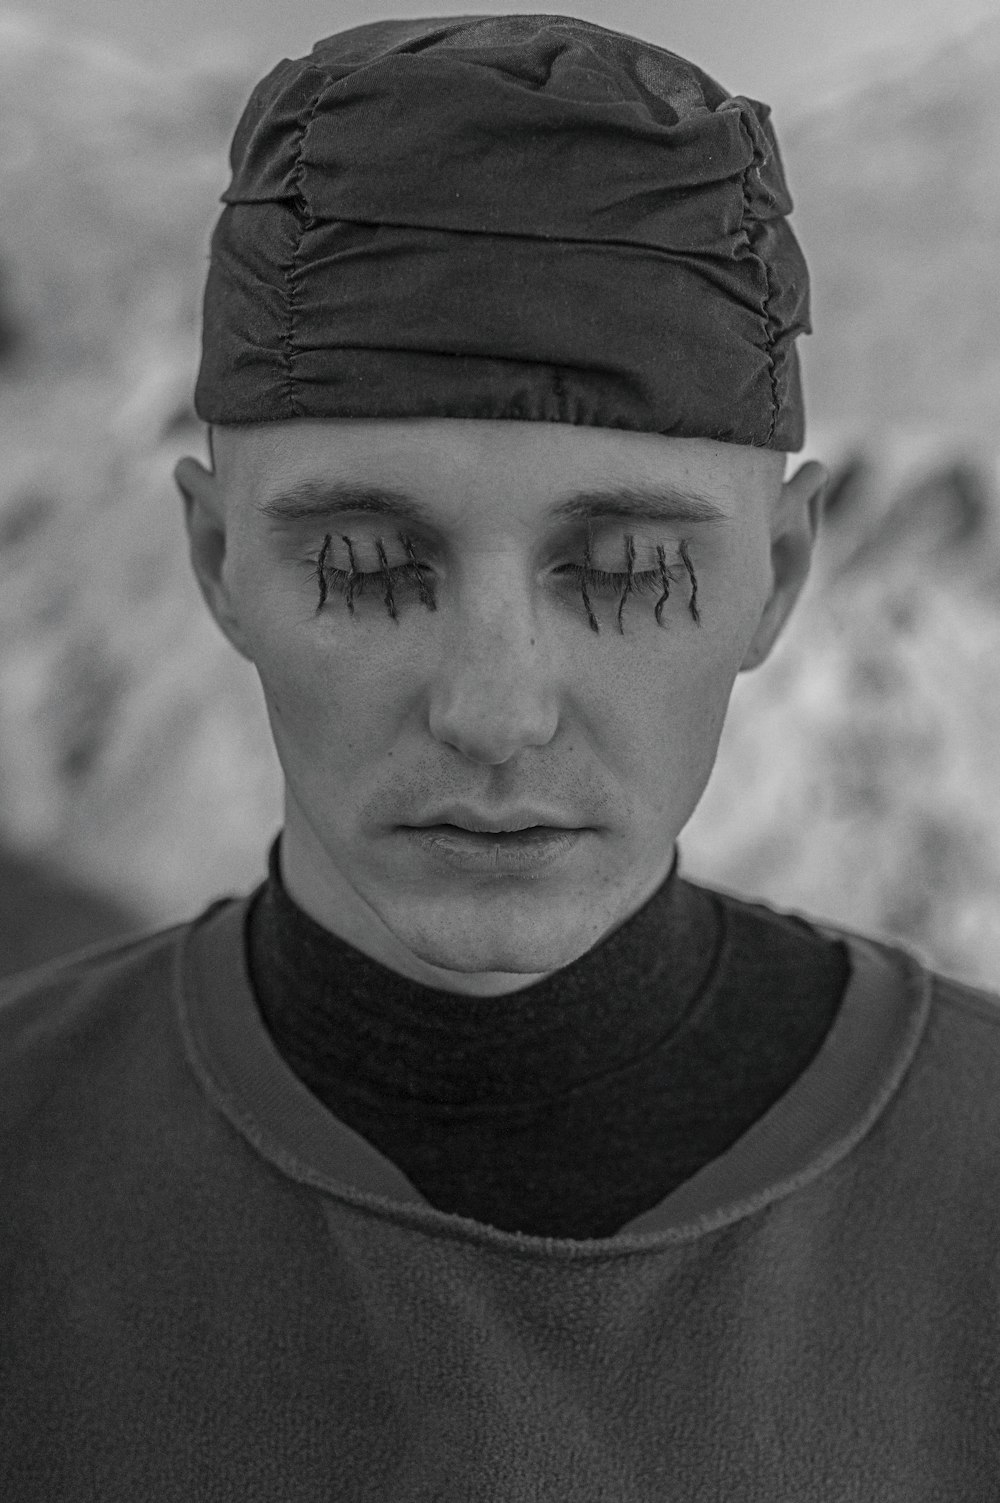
pixel 493 691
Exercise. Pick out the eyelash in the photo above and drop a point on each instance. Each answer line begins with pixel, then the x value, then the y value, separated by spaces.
pixel 353 581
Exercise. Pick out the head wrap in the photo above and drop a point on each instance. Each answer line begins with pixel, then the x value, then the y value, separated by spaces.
pixel 524 217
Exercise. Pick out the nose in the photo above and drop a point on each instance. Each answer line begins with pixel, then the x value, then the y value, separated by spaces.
pixel 495 690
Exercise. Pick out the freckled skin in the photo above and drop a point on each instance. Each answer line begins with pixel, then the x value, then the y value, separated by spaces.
pixel 503 694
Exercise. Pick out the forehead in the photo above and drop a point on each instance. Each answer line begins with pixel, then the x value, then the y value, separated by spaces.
pixel 461 462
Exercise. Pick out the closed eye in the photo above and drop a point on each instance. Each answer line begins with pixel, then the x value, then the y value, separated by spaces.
pixel 353 581
pixel 601 579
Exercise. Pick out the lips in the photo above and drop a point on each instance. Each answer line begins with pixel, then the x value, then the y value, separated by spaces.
pixel 493 822
pixel 489 855
pixel 491 834
pixel 527 833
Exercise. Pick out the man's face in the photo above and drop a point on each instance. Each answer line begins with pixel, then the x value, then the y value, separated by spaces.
pixel 503 697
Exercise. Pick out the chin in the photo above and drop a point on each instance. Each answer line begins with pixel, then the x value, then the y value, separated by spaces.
pixel 532 951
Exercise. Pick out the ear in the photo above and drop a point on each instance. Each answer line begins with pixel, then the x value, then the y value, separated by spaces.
pixel 205 520
pixel 794 527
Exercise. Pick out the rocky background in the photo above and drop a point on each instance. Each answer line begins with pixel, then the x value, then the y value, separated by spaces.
pixel 858 778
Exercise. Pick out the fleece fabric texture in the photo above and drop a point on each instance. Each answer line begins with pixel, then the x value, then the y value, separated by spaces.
pixel 568 1107
pixel 215 1290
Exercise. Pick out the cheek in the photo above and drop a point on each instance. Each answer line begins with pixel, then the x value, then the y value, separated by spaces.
pixel 749 586
pixel 336 704
pixel 313 689
pixel 315 695
pixel 664 704
pixel 327 728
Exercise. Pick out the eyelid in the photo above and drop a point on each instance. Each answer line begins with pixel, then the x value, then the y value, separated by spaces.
pixel 630 580
pixel 574 536
pixel 567 534
pixel 412 540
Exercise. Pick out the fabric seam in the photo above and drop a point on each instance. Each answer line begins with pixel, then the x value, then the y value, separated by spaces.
pixel 426 1219
pixel 768 291
pixel 305 222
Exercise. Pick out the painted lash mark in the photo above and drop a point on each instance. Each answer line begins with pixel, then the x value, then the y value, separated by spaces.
pixel 693 602
pixel 583 587
pixel 352 578
pixel 355 580
pixel 661 559
pixel 321 572
pixel 388 597
pixel 629 561
pixel 426 594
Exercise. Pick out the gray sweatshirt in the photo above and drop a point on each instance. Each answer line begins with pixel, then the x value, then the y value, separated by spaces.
pixel 214 1289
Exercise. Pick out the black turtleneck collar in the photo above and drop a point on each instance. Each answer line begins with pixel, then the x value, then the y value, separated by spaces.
pixel 354 1025
pixel 577 1103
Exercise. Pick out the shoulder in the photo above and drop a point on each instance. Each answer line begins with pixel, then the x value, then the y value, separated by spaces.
pixel 950 1086
pixel 964 1036
pixel 975 1005
pixel 957 1004
pixel 70 1016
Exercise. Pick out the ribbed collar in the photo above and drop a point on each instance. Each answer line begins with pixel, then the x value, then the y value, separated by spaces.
pixel 815 1124
pixel 331 1008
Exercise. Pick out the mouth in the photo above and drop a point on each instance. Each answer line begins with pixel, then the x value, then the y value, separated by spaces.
pixel 513 853
pixel 491 836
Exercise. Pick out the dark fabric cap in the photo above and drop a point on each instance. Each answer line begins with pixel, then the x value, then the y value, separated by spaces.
pixel 521 217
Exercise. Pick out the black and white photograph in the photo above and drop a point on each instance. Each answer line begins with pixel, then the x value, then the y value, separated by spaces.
pixel 500 752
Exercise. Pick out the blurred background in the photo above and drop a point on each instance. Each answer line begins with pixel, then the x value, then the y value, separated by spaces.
pixel 858 778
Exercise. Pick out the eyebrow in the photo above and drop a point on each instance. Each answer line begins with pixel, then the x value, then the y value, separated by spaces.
pixel 321 500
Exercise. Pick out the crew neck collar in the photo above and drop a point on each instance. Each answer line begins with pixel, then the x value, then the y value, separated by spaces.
pixel 828 1109
pixel 400 1041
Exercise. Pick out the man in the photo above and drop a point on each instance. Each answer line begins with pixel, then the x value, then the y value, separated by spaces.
pixel 456 1162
